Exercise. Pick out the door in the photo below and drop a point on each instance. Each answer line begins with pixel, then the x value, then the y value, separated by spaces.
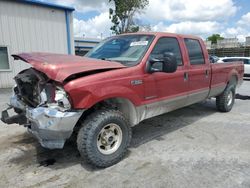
pixel 199 74
pixel 165 92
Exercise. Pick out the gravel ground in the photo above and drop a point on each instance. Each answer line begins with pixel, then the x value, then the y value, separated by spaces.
pixel 191 147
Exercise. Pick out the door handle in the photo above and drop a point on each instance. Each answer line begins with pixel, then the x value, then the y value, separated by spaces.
pixel 185 76
pixel 206 73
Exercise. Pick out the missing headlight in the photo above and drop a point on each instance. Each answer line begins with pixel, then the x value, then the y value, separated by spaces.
pixel 61 98
pixel 55 96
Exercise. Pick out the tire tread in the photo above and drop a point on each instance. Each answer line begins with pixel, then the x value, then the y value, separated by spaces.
pixel 87 130
pixel 221 100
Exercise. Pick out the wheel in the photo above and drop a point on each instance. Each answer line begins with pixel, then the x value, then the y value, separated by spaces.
pixel 225 101
pixel 104 138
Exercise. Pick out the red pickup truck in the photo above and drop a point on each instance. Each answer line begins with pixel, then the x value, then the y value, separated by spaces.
pixel 124 80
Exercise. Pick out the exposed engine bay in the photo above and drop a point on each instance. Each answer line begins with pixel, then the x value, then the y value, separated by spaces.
pixel 39 101
pixel 35 89
pixel 43 107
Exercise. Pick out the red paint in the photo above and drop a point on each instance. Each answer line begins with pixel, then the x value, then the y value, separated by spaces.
pixel 59 67
pixel 89 90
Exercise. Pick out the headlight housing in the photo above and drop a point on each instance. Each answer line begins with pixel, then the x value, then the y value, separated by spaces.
pixel 55 97
pixel 61 98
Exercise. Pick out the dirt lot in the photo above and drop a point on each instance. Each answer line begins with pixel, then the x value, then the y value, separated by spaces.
pixel 191 147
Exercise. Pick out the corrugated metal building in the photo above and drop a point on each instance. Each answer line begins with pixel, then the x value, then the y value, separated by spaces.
pixel 32 26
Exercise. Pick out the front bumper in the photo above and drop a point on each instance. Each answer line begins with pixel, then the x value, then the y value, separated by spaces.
pixel 50 125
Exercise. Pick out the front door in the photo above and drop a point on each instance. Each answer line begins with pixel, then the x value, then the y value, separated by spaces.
pixel 165 92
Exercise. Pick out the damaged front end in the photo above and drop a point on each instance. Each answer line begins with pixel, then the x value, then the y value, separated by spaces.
pixel 43 107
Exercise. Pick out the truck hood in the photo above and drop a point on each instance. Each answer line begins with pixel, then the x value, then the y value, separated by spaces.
pixel 59 67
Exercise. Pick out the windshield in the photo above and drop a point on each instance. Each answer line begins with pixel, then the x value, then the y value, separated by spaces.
pixel 126 49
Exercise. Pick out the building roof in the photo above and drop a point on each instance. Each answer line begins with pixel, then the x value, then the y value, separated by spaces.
pixel 46 4
pixel 87 40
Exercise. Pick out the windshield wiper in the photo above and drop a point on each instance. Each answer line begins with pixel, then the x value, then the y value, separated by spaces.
pixel 107 59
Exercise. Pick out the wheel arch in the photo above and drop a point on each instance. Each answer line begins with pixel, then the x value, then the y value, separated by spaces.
pixel 233 77
pixel 124 105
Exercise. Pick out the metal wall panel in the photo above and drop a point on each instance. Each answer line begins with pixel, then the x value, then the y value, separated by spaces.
pixel 31 28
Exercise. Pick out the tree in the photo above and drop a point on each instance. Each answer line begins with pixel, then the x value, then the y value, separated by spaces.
pixel 145 27
pixel 214 38
pixel 123 13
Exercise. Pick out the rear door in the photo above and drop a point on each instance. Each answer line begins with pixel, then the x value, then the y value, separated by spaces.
pixel 198 72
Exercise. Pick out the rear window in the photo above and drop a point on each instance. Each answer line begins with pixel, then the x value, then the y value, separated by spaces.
pixel 194 52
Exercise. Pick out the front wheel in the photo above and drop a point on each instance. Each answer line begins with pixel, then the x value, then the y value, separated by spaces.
pixel 225 101
pixel 104 138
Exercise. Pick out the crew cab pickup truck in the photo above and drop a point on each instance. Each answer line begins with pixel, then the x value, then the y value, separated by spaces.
pixel 124 80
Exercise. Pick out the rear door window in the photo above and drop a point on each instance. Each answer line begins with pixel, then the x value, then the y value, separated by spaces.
pixel 195 52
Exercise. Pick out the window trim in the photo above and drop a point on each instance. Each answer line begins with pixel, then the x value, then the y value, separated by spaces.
pixel 178 45
pixel 8 54
pixel 202 52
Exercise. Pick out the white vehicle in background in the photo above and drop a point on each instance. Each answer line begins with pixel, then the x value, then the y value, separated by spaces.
pixel 246 61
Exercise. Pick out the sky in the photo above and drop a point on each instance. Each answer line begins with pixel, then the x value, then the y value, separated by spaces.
pixel 229 18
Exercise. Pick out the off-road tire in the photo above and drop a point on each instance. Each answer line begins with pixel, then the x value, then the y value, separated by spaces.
pixel 88 134
pixel 222 102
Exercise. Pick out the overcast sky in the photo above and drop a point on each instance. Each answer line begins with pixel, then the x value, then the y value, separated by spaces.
pixel 230 18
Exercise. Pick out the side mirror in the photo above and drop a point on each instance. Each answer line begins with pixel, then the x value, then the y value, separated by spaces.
pixel 168 64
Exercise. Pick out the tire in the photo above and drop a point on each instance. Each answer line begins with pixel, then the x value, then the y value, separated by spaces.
pixel 104 138
pixel 225 101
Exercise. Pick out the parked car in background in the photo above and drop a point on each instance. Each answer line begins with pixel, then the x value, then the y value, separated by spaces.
pixel 246 61
pixel 213 58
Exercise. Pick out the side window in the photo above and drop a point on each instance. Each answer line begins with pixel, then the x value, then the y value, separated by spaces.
pixel 242 60
pixel 246 61
pixel 163 45
pixel 4 58
pixel 226 60
pixel 194 52
pixel 231 60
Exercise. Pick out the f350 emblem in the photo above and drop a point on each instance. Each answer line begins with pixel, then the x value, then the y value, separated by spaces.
pixel 136 82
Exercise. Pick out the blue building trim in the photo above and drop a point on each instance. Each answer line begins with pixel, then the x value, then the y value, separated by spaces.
pixel 46 4
pixel 68 31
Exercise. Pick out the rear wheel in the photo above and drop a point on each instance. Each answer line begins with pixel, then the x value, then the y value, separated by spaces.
pixel 225 101
pixel 104 138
